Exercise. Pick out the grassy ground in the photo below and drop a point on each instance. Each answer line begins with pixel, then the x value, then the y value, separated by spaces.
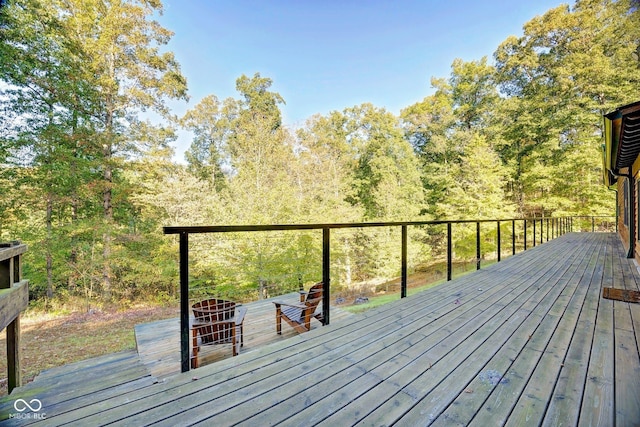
pixel 48 341
pixel 417 282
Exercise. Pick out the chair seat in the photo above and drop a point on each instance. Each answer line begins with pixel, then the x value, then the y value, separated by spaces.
pixel 299 315
pixel 293 314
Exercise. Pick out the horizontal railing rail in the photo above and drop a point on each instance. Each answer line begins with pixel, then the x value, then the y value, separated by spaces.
pixel 538 229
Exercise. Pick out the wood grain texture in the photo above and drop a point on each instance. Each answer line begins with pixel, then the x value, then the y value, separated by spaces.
pixel 527 341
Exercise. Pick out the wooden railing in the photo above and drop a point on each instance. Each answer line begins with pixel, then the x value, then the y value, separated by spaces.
pixel 536 231
pixel 14 298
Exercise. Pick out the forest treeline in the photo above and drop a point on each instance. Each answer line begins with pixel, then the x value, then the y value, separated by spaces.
pixel 88 182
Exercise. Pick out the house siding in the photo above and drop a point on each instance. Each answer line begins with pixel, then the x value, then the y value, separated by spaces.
pixel 623 229
pixel 633 207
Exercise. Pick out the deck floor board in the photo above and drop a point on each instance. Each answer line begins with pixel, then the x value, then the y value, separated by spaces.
pixel 527 341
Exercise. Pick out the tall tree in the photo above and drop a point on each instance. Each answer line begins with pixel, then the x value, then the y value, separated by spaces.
pixel 129 74
pixel 208 153
pixel 244 140
pixel 78 73
pixel 387 180
pixel 37 66
pixel 570 67
pixel 454 131
pixel 326 170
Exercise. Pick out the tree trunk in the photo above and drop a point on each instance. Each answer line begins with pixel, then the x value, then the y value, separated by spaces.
pixel 49 256
pixel 107 209
pixel 73 255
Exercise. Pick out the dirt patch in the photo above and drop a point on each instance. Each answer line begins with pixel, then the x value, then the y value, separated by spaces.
pixel 50 341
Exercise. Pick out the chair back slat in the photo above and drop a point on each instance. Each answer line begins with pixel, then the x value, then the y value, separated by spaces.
pixel 314 296
pixel 214 310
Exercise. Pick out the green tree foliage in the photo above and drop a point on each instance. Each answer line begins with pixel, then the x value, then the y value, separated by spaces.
pixel 387 180
pixel 569 68
pixel 326 171
pixel 454 133
pixel 77 73
pixel 209 126
pixel 88 183
pixel 129 75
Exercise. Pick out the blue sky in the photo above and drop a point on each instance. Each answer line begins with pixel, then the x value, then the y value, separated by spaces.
pixel 332 54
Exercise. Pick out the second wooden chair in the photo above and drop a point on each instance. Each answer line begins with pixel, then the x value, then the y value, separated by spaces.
pixel 299 315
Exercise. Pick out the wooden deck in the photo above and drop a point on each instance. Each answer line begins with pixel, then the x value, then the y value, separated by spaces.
pixel 527 341
pixel 158 342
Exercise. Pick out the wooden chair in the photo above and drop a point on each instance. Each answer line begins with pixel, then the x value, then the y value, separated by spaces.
pixel 299 315
pixel 217 322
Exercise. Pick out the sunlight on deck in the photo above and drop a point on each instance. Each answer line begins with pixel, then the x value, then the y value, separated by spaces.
pixel 527 341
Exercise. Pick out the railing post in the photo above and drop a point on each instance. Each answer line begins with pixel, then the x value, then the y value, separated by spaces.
pixel 184 302
pixel 534 232
pixel 403 270
pixel 547 220
pixel 513 236
pixel 326 274
pixel 449 252
pixel 525 234
pixel 593 224
pixel 478 252
pixel 541 231
pixel 499 243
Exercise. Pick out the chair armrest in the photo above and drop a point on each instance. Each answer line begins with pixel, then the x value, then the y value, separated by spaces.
pixel 239 317
pixel 279 303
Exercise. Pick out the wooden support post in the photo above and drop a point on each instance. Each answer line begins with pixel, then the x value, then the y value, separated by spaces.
pixel 13 300
pixel 14 378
